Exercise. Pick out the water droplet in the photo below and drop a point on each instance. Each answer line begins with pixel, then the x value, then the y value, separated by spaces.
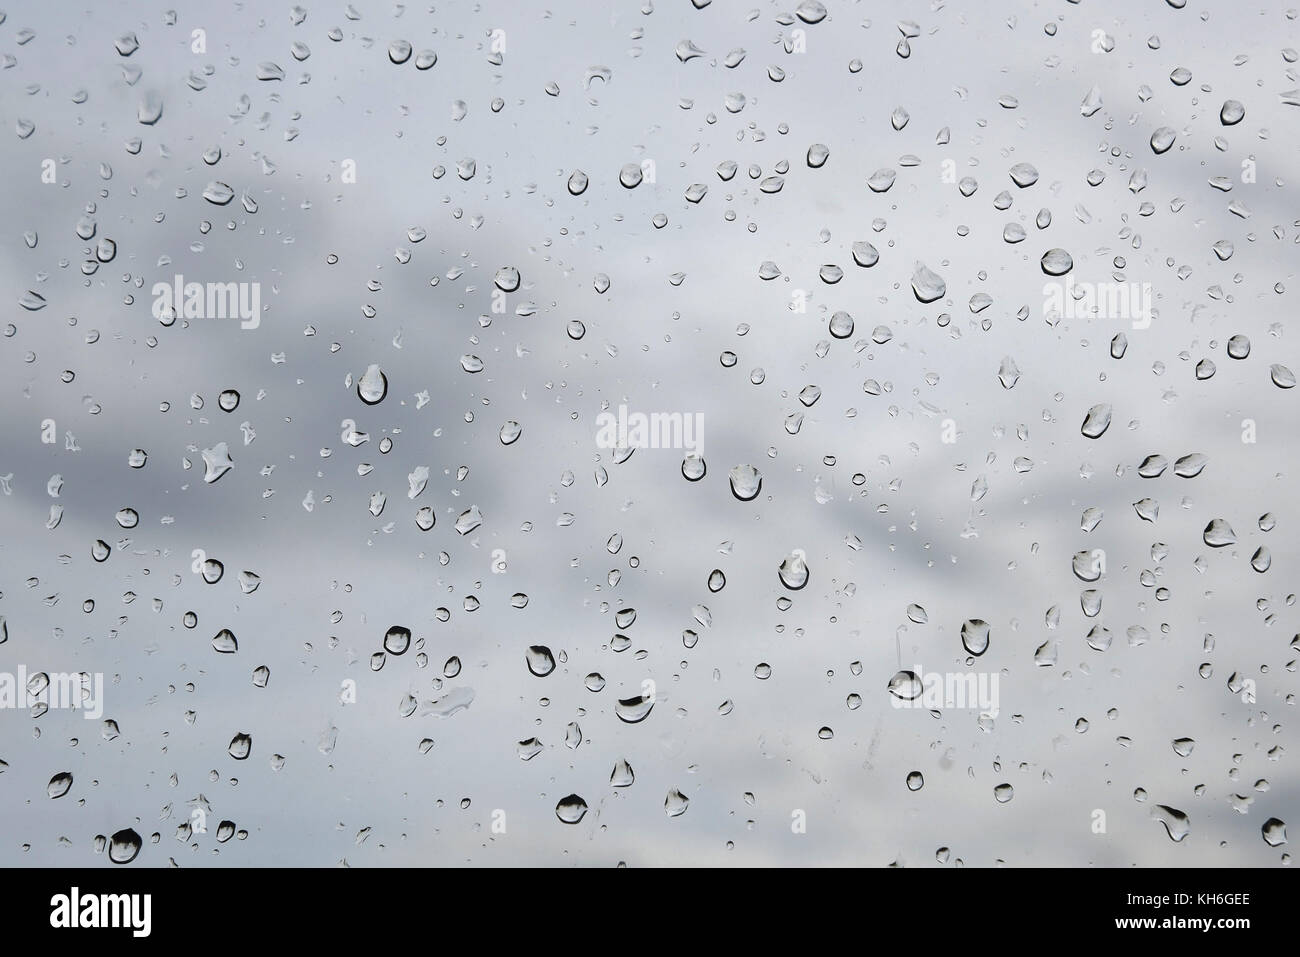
pixel 811 11
pixel 1008 373
pixel 1177 826
pixel 540 660
pixel 211 570
pixel 746 482
pixel 224 642
pixel 865 254
pixel 571 809
pixel 975 636
pixel 59 785
pixel 793 571
pixel 1096 422
pixel 468 520
pixel 216 462
pixel 241 745
pixel 1023 175
pixel 630 175
pixel 1056 262
pixel 399 51
pixel 881 180
pixel 150 110
pixel 397 639
pixel 634 710
pixel 219 194
pixel 372 386
pixel 622 775
pixel 1091 102
pixel 124 846
pixel 1231 113
pixel 31 301
pixel 1162 139
pixel 926 285
pixel 1218 533
pixel 906 686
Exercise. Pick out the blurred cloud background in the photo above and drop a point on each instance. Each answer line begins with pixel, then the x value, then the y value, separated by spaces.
pixel 345 286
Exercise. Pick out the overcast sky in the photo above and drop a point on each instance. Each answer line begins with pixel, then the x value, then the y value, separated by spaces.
pixel 461 171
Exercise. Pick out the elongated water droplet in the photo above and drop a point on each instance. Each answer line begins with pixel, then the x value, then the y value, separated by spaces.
pixel 1177 826
pixel 746 482
pixel 372 386
pixel 975 636
pixel 1096 422
pixel 1008 373
pixel 241 746
pixel 675 803
pixel 59 785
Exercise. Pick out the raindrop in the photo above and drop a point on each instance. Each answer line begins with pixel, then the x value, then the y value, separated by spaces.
pixel 124 846
pixel 372 386
pixel 1177 826
pixel 540 660
pixel 571 809
pixel 906 686
pixel 975 636
pixel 1274 832
pixel 1096 422
pixel 1162 139
pixel 397 639
pixel 1218 533
pixel 746 482
pixel 793 570
pixel 634 710
pixel 926 285
pixel 59 785
pixel 1057 262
